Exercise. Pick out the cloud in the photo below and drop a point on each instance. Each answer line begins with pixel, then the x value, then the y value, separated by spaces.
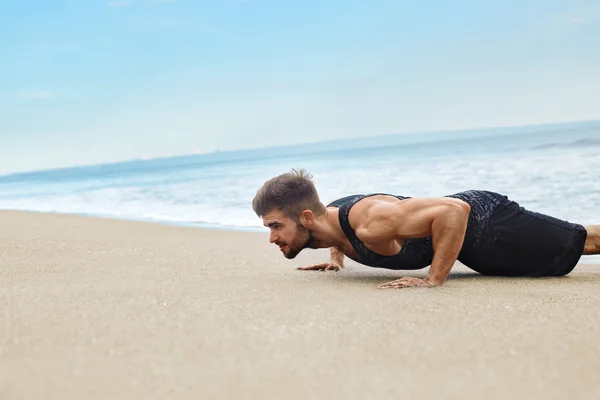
pixel 34 94
pixel 119 3
pixel 585 15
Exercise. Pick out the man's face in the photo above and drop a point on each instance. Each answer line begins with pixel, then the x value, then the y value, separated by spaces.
pixel 290 236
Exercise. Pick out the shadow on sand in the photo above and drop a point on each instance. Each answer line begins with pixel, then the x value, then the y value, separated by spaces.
pixel 376 277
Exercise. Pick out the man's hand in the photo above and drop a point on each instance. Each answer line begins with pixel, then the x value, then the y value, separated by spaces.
pixel 406 282
pixel 328 266
pixel 335 264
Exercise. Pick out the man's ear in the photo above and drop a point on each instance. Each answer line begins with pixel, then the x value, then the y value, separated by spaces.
pixel 307 218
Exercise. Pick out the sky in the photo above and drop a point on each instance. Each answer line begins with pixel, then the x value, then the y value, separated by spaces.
pixel 86 82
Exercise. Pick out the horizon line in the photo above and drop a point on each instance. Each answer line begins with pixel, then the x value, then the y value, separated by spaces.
pixel 250 149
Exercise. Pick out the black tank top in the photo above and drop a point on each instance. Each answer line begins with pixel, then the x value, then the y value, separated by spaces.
pixel 418 253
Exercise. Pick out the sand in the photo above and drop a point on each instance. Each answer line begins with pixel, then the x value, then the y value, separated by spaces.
pixel 96 308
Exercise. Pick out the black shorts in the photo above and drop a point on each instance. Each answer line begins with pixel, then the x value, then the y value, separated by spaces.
pixel 519 242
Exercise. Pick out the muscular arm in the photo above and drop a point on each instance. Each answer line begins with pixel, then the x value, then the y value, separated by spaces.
pixel 445 219
pixel 448 230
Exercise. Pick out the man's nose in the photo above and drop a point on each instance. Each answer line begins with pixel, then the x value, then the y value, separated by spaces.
pixel 273 238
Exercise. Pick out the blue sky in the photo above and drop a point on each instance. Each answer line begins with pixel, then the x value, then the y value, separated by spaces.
pixel 101 81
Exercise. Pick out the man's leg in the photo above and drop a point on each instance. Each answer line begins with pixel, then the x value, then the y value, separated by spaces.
pixel 592 243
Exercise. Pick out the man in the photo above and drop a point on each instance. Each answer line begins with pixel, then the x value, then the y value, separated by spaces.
pixel 484 230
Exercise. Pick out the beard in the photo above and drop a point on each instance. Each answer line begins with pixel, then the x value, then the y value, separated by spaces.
pixel 302 239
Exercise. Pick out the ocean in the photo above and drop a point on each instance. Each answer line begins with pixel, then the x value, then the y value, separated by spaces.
pixel 552 169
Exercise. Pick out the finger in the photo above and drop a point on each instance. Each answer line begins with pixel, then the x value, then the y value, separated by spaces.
pixel 399 283
pixel 394 285
pixel 393 282
pixel 411 280
pixel 313 267
pixel 309 266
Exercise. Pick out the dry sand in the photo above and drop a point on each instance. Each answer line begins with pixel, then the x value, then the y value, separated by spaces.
pixel 107 309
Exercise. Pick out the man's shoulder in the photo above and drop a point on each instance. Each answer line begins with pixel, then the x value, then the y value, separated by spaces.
pixel 374 209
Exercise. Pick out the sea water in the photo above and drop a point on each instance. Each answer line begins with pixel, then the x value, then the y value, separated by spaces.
pixel 552 169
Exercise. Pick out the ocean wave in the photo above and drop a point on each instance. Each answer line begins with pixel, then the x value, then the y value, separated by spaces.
pixel 581 143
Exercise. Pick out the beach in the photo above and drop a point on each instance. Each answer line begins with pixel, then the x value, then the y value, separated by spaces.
pixel 95 308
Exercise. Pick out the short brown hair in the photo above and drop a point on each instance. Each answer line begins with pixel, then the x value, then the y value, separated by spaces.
pixel 292 193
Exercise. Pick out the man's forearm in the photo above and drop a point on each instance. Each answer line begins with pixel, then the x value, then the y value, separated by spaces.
pixel 337 257
pixel 448 236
